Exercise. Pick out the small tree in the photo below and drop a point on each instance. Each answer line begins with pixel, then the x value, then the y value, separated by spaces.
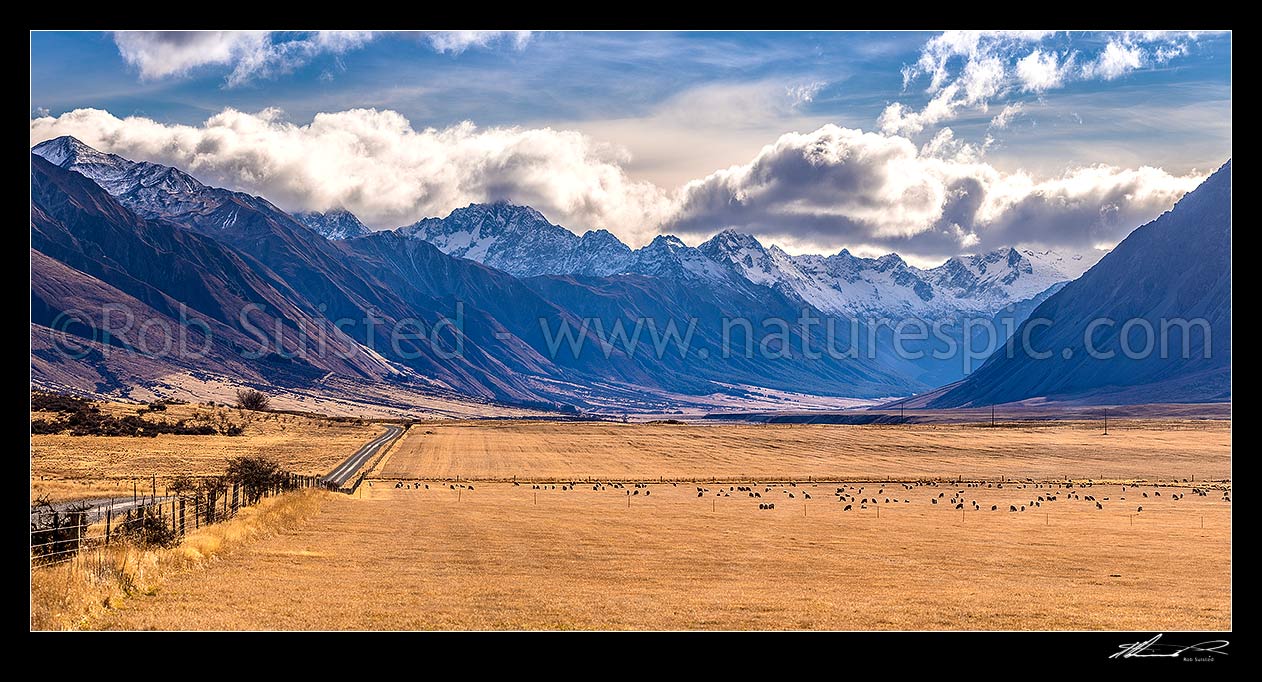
pixel 182 485
pixel 255 473
pixel 250 399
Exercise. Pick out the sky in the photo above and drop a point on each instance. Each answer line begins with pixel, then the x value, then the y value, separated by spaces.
pixel 926 144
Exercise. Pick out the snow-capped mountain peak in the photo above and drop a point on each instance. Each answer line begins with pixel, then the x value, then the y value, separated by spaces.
pixel 337 223
pixel 520 241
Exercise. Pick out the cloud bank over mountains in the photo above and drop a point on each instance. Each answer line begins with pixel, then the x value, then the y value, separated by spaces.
pixel 819 190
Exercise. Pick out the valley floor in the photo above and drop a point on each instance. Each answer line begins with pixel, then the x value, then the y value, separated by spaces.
pixel 493 555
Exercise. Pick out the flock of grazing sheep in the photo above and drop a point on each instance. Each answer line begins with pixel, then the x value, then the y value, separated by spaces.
pixel 849 495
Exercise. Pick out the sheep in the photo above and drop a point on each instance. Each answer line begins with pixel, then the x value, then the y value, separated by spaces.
pixel 994 507
pixel 1012 507
pixel 959 506
pixel 1099 506
pixel 934 500
pixel 848 508
pixel 1141 508
pixel 806 496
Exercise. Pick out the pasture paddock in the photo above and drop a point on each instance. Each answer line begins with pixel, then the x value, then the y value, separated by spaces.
pixel 485 553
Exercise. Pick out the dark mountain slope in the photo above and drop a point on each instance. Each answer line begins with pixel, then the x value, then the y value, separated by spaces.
pixel 1176 268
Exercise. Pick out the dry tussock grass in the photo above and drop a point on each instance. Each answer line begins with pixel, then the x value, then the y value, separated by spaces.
pixel 70 595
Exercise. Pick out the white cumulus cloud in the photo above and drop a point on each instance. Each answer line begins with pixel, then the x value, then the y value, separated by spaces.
pixel 1118 59
pixel 1040 71
pixel 964 71
pixel 266 54
pixel 843 186
pixel 388 173
pixel 459 41
pixel 1004 118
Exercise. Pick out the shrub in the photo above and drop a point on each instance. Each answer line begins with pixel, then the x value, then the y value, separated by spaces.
pixel 59 402
pixel 45 426
pixel 250 399
pixel 182 485
pixel 148 528
pixel 256 474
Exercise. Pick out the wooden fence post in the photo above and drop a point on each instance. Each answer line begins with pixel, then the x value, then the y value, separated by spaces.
pixel 236 504
pixel 182 517
pixel 197 511
pixel 109 519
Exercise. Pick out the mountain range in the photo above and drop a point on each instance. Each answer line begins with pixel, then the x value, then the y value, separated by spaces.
pixel 312 296
pixel 320 286
pixel 521 242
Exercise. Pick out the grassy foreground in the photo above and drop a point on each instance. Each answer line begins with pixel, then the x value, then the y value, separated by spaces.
pixel 71 595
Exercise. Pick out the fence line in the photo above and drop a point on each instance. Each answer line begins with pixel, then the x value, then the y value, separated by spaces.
pixel 59 534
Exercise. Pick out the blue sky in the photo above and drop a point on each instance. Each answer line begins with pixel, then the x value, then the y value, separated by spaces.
pixel 622 122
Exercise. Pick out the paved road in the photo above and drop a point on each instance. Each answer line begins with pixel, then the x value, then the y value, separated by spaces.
pixel 347 469
pixel 97 507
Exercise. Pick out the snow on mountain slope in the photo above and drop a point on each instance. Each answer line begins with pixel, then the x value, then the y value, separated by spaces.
pixel 152 190
pixel 867 287
pixel 338 223
pixel 520 241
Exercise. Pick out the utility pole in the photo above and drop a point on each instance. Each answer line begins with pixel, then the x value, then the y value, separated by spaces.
pixel 1106 421
pixel 992 416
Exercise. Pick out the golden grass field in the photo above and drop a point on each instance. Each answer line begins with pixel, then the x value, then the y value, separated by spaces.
pixel 69 467
pixel 1151 449
pixel 493 558
pixel 502 556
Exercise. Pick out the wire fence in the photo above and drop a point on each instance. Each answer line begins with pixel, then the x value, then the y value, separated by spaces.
pixel 58 532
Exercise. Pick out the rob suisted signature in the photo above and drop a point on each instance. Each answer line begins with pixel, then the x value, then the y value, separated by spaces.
pixel 1153 649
